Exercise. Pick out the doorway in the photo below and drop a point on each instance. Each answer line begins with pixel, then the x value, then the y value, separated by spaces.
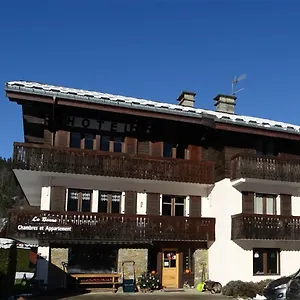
pixel 170 268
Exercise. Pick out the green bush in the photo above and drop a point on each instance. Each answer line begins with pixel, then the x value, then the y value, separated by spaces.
pixel 242 289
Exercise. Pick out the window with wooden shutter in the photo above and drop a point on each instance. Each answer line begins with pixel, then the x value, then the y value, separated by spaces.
pixel 195 206
pixel 79 200
pixel 157 149
pixel 153 204
pixel 130 145
pixel 109 202
pixel 130 202
pixel 247 202
pixel 143 147
pixel 62 138
pixel 286 205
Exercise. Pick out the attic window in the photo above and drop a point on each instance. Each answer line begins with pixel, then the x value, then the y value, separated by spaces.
pixel 277 125
pixel 225 117
pixel 253 122
pixel 239 120
pixel 290 127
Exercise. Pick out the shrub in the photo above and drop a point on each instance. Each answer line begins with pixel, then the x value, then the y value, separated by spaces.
pixel 242 289
pixel 149 282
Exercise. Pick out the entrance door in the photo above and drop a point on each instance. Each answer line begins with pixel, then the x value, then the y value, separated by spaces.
pixel 170 268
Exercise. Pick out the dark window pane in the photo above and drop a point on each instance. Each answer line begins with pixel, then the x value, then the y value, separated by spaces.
pixel 102 203
pixel 89 141
pixel 170 259
pixel 115 203
pixel 166 209
pixel 179 210
pixel 166 199
pixel 72 200
pixel 118 144
pixel 167 149
pixel 179 200
pixel 180 151
pixel 272 262
pixel 86 201
pixel 104 144
pixel 75 140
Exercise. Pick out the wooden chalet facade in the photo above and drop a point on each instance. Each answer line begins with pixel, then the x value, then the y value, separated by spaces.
pixel 175 188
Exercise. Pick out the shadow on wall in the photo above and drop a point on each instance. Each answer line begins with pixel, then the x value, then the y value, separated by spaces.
pixel 282 245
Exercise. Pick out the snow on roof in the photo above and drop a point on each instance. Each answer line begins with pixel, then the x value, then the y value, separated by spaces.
pixel 142 104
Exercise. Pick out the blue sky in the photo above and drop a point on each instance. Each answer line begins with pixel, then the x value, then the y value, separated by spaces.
pixel 154 49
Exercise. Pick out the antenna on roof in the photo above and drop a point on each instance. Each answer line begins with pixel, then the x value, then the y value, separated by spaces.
pixel 235 80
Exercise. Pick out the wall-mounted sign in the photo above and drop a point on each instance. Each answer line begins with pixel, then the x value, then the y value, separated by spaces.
pixel 100 125
pixel 44 224
pixel 45 228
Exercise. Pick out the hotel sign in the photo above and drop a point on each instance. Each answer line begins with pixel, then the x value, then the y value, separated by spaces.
pixel 44 224
pixel 100 125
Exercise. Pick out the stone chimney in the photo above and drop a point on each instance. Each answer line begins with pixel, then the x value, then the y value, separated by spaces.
pixel 187 99
pixel 225 103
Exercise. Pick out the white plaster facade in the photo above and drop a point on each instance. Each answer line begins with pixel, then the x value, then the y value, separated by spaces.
pixel 233 260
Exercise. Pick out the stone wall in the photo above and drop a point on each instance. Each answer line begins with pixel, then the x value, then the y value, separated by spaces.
pixel 201 265
pixel 57 273
pixel 139 256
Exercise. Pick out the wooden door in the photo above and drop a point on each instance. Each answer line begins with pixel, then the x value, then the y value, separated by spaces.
pixel 170 268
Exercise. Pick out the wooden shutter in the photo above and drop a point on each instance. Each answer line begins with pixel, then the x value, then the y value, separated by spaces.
pixel 62 139
pixel 195 206
pixel 194 152
pixel 157 149
pixel 153 204
pixel 57 198
pixel 130 203
pixel 47 137
pixel 248 202
pixel 285 205
pixel 143 148
pixel 130 145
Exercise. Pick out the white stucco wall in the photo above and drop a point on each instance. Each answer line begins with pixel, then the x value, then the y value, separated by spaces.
pixel 229 260
pixel 141 205
pixel 45 197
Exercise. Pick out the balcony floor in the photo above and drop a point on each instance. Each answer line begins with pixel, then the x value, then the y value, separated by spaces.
pixel 267 186
pixel 32 182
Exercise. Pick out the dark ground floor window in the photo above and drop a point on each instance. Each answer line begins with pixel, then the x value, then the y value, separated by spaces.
pixel 92 259
pixel 266 261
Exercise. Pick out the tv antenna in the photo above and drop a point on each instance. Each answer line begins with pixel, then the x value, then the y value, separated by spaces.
pixel 235 80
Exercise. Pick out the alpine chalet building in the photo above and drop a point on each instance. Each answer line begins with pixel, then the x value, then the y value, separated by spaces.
pixel 186 193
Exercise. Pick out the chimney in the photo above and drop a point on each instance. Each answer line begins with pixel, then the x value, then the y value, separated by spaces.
pixel 225 103
pixel 186 99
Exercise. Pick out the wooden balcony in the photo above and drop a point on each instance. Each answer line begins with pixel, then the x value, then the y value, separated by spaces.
pixel 265 227
pixel 75 227
pixel 91 162
pixel 268 168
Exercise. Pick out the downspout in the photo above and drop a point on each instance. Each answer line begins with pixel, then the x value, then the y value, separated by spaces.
pixel 53 120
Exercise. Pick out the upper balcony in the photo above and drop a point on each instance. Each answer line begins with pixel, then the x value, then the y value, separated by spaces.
pixel 265 227
pixel 36 166
pixel 75 227
pixel 266 174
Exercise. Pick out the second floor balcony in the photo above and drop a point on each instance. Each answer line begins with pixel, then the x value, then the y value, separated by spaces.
pixel 74 227
pixel 265 174
pixel 98 163
pixel 265 227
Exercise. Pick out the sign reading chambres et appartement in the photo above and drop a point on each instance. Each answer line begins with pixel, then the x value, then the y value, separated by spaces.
pixel 44 224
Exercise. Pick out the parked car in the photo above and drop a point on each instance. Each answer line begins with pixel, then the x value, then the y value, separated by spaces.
pixel 277 289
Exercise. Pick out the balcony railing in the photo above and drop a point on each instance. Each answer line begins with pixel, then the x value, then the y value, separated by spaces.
pixel 265 227
pixel 270 168
pixel 107 228
pixel 99 163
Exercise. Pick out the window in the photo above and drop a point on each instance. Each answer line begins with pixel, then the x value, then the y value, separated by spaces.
pixel 265 204
pixel 79 200
pixel 109 202
pixel 113 144
pixel 266 261
pixel 188 260
pixel 75 140
pixel 104 143
pixel 167 150
pixel 85 141
pixel 172 206
pixel 170 259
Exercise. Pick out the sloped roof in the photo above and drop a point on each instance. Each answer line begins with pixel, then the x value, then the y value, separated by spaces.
pixel 143 104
